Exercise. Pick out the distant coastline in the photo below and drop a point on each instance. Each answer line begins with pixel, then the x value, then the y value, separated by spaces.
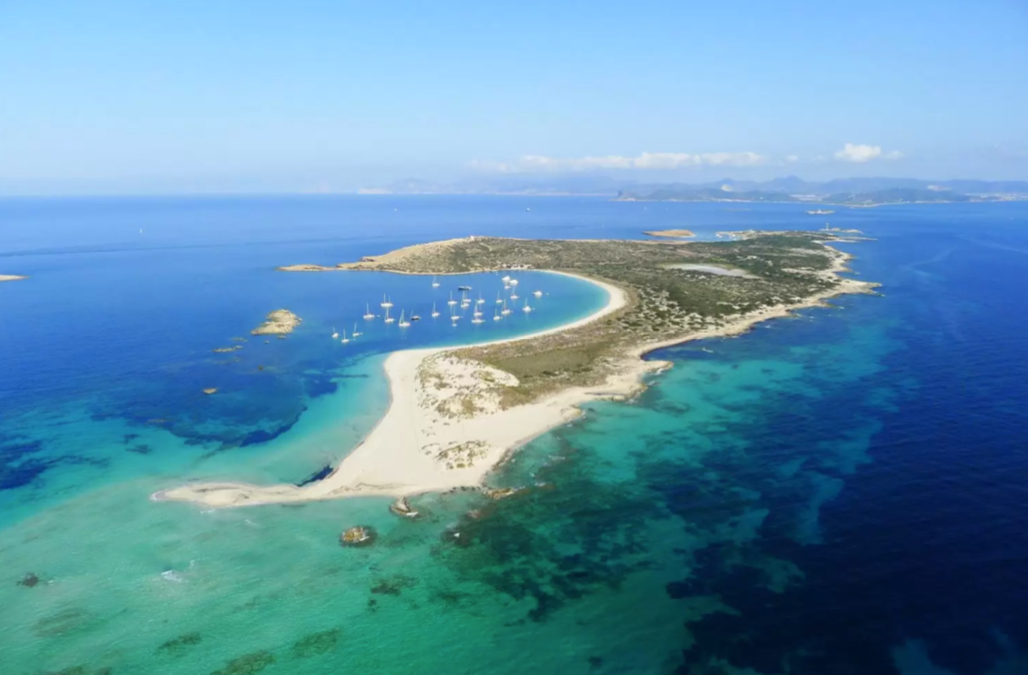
pixel 416 448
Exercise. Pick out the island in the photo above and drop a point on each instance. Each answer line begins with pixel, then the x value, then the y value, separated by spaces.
pixel 457 412
pixel 279 322
pixel 11 277
pixel 670 233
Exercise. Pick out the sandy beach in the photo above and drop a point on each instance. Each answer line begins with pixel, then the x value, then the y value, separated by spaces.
pixel 444 427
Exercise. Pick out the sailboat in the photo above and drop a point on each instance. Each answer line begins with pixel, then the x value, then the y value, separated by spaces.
pixel 505 278
pixel 526 309
pixel 505 311
pixel 496 315
pixel 385 302
pixel 368 316
pixel 513 282
pixel 403 324
pixel 388 318
pixel 335 333
pixel 538 294
pixel 435 312
pixel 480 300
pixel 345 339
pixel 478 318
pixel 355 333
pixel 435 284
pixel 451 302
pixel 454 317
pixel 514 295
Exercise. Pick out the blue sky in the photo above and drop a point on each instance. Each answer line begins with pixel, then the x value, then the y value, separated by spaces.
pixel 130 97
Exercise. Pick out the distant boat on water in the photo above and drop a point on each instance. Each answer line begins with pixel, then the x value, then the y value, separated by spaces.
pixel 435 312
pixel 345 339
pixel 403 324
pixel 335 333
pixel 368 316
pixel 538 294
pixel 451 302
pixel 355 333
pixel 386 303
pixel 435 284
pixel 526 309
pixel 388 319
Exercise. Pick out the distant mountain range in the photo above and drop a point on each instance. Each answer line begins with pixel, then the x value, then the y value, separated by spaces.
pixel 846 191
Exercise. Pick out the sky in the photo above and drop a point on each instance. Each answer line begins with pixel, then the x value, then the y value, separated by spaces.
pixel 306 96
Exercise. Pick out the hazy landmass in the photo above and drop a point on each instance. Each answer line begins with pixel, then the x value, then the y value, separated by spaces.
pixel 842 192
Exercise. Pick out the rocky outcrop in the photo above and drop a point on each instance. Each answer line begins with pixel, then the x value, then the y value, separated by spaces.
pixel 279 322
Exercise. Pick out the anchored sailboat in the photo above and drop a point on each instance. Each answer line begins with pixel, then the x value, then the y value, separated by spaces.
pixel 355 333
pixel 435 312
pixel 526 308
pixel 388 318
pixel 368 316
pixel 403 324
pixel 335 333
pixel 385 302
pixel 345 339
pixel 435 284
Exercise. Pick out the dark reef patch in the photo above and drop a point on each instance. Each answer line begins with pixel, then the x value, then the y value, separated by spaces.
pixel 177 646
pixel 523 547
pixel 316 644
pixel 247 664
pixel 393 585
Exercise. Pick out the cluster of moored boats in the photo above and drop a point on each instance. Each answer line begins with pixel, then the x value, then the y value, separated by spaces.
pixel 505 300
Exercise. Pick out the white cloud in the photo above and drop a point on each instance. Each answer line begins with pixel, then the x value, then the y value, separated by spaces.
pixel 653 161
pixel 858 153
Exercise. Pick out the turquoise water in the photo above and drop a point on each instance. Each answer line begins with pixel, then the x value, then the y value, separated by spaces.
pixel 840 492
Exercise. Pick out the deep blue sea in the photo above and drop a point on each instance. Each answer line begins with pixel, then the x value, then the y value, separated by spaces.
pixel 840 492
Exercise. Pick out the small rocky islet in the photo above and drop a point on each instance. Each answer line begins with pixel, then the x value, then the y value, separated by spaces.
pixel 279 322
pixel 358 535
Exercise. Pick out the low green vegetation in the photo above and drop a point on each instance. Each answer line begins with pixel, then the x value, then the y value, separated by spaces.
pixel 665 303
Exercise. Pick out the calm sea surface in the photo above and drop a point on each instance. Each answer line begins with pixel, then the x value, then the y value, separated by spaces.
pixel 840 492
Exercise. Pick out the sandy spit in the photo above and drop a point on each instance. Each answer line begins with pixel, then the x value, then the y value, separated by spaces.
pixel 405 453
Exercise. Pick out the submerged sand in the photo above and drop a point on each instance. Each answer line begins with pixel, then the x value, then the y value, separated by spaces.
pixel 444 427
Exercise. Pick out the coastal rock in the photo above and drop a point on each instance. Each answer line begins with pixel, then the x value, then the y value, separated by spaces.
pixel 278 322
pixel 401 508
pixel 358 535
